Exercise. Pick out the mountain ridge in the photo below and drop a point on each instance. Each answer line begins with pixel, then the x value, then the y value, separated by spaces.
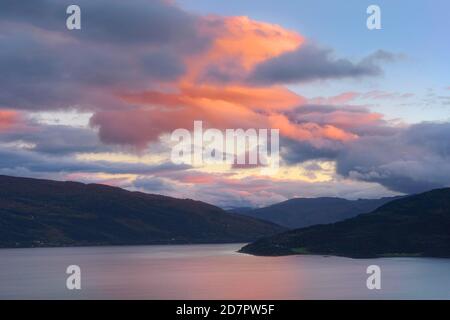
pixel 417 225
pixel 303 212
pixel 39 212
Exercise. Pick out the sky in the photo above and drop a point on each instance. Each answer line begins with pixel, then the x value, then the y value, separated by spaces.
pixel 362 113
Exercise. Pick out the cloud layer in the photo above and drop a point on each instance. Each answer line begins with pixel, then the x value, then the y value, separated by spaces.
pixel 310 62
pixel 146 68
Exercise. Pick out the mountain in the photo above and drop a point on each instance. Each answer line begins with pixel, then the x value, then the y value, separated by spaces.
pixel 304 212
pixel 37 212
pixel 416 225
pixel 240 210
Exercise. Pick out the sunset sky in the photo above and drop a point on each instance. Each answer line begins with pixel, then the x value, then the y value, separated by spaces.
pixel 361 113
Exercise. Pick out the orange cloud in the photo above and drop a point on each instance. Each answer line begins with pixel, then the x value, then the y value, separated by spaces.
pixel 309 130
pixel 198 179
pixel 234 105
pixel 342 98
pixel 243 40
pixel 253 42
pixel 206 96
pixel 351 119
pixel 231 104
pixel 344 119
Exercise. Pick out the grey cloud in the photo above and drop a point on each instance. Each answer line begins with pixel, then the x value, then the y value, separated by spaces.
pixel 227 71
pixel 41 76
pixel 310 62
pixel 16 159
pixel 255 192
pixel 293 151
pixel 124 46
pixel 113 21
pixel 414 159
pixel 405 159
pixel 58 139
pixel 162 65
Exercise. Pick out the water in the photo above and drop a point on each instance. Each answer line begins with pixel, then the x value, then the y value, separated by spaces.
pixel 212 272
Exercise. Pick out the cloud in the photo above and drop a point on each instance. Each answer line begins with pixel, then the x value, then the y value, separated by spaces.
pixel 56 139
pixel 73 74
pixel 334 127
pixel 293 151
pixel 340 99
pixel 349 118
pixel 414 159
pixel 121 45
pixel 145 68
pixel 217 107
pixel 403 158
pixel 381 95
pixel 239 44
pixel 111 21
pixel 148 67
pixel 9 119
pixel 310 62
pixel 15 159
pixel 227 191
pixel 164 66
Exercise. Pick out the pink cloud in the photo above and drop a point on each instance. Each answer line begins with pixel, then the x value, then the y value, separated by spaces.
pixel 11 120
pixel 383 95
pixel 339 99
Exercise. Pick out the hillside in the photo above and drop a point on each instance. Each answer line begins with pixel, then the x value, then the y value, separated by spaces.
pixel 37 212
pixel 417 225
pixel 304 212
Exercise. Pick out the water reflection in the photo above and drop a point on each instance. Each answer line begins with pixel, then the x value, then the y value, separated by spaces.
pixel 212 272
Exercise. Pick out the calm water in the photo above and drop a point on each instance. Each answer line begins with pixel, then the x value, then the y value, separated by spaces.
pixel 212 272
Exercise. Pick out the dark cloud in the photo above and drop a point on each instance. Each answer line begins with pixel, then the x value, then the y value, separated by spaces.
pixel 17 159
pixel 57 139
pixel 227 71
pixel 359 121
pixel 254 191
pixel 413 160
pixel 113 21
pixel 293 151
pixel 310 62
pixel 405 159
pixel 162 65
pixel 125 46
pixel 40 76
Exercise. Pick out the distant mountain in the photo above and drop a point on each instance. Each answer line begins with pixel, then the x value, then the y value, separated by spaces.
pixel 416 225
pixel 304 212
pixel 241 210
pixel 50 213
